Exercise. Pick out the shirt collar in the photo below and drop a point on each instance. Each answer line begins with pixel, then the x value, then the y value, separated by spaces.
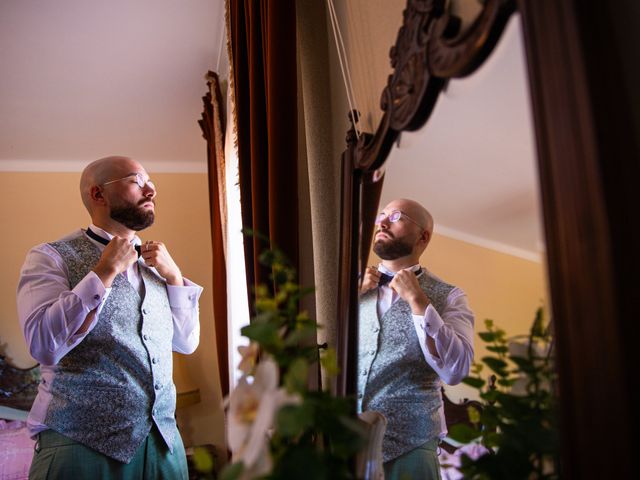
pixel 383 269
pixel 103 233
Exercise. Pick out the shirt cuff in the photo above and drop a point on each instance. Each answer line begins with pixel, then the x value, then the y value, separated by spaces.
pixel 186 296
pixel 91 291
pixel 430 321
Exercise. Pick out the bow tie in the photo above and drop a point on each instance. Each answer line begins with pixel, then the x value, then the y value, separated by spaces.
pixel 384 278
pixel 104 241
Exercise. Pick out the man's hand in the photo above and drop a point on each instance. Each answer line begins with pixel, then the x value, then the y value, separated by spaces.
pixel 370 280
pixel 405 283
pixel 156 255
pixel 116 258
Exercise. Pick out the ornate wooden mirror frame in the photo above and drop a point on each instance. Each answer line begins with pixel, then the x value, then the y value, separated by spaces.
pixel 583 195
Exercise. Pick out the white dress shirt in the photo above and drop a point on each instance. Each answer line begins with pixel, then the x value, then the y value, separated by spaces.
pixel 51 313
pixel 452 332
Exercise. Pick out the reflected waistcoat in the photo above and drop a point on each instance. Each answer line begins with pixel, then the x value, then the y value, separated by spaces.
pixel 110 389
pixel 393 375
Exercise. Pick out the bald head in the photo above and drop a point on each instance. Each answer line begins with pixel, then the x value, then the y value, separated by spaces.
pixel 414 210
pixel 99 172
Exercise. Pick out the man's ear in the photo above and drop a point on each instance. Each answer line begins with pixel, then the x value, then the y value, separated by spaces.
pixel 95 192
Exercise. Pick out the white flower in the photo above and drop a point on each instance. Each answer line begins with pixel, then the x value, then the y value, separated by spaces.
pixel 252 410
pixel 249 355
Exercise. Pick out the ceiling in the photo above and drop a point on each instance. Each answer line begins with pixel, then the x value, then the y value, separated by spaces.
pixel 85 79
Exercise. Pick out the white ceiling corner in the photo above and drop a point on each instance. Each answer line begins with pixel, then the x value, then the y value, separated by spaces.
pixel 85 79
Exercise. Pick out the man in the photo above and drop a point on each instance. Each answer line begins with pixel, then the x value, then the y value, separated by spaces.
pixel 102 313
pixel 415 331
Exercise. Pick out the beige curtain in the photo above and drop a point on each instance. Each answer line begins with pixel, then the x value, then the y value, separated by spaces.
pixel 212 125
pixel 323 163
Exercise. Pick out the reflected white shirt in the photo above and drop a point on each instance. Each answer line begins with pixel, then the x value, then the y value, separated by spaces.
pixel 452 332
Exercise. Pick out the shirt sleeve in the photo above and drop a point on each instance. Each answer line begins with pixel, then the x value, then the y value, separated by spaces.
pixel 452 333
pixel 51 313
pixel 186 316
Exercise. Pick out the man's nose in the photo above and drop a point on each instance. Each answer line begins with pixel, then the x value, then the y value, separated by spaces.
pixel 148 191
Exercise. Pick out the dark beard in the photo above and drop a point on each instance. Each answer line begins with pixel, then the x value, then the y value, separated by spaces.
pixel 132 216
pixel 393 249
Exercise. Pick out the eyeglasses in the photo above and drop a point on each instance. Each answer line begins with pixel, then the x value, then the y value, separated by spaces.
pixel 138 178
pixel 394 216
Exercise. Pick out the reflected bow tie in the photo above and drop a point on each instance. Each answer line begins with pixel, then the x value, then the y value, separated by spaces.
pixel 385 279
pixel 104 241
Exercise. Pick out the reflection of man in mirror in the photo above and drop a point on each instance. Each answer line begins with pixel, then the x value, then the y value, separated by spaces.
pixel 102 313
pixel 415 332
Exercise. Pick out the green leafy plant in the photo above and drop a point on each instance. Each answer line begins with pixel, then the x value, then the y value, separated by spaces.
pixel 517 423
pixel 278 427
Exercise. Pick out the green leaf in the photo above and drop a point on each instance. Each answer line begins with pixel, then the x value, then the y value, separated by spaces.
pixel 295 380
pixel 523 364
pixel 329 361
pixel 474 382
pixel 497 365
pixel 304 334
pixel 537 329
pixel 474 414
pixel 266 305
pixel 265 334
pixel 476 368
pixel 498 348
pixel 488 336
pixel 202 460
pixel 267 258
pixel 463 433
pixel 506 382
pixel 280 277
pixel 232 471
pixel 292 420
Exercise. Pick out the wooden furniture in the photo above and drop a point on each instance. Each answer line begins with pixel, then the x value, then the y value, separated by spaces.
pixel 18 387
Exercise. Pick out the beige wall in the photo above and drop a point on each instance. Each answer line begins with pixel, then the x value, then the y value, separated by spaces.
pixel 501 287
pixel 39 207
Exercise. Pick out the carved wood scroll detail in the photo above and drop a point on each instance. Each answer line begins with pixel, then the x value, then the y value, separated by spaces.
pixel 430 49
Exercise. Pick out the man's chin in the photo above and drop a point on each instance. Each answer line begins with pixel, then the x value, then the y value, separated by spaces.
pixel 145 224
pixel 134 221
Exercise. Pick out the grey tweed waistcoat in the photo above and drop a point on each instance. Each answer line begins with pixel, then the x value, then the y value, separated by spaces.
pixel 112 386
pixel 393 376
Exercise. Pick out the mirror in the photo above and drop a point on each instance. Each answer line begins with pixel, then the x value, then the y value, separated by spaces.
pixel 579 61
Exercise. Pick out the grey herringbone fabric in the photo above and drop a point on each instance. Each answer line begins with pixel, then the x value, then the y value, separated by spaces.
pixel 393 376
pixel 109 389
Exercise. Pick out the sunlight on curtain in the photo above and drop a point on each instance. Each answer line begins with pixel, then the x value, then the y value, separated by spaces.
pixel 237 308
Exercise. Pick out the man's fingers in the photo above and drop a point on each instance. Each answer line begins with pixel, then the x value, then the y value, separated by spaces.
pixel 374 272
